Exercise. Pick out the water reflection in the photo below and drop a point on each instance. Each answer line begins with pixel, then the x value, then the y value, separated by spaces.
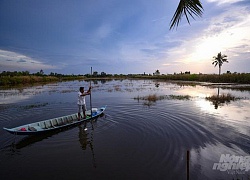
pixel 216 101
pixel 154 138
pixel 220 100
pixel 86 141
pixel 30 140
pixel 157 84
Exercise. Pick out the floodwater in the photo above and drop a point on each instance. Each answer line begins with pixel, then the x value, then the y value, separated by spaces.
pixel 135 139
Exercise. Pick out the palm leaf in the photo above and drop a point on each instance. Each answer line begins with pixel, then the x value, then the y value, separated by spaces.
pixel 186 7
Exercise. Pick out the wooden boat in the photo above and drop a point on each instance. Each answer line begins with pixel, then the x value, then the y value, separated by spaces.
pixel 55 123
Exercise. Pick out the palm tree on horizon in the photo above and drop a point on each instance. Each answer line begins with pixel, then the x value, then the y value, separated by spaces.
pixel 219 60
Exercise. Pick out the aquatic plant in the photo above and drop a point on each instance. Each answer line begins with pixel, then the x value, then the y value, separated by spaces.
pixel 219 100
pixel 35 106
pixel 223 98
pixel 154 97
pixel 179 97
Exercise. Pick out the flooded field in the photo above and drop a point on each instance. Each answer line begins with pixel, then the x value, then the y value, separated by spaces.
pixel 146 131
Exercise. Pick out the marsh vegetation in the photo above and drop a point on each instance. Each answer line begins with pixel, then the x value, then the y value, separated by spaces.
pixel 152 98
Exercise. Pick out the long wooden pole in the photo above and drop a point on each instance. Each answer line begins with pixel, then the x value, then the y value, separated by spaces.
pixel 90 94
pixel 188 159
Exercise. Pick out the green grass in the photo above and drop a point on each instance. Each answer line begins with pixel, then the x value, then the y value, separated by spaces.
pixel 31 79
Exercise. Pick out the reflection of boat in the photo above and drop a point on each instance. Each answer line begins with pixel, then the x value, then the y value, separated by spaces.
pixel 29 140
pixel 55 123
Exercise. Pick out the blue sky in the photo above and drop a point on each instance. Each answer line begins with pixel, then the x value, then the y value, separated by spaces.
pixel 121 36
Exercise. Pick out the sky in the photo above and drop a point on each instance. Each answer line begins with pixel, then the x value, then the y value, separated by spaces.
pixel 122 36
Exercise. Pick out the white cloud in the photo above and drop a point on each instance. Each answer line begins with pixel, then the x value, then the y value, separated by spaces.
pixel 224 1
pixel 103 31
pixel 12 60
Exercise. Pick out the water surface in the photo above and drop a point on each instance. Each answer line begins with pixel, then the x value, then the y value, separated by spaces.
pixel 135 139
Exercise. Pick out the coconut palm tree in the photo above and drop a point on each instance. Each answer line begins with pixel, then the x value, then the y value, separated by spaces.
pixel 219 60
pixel 187 8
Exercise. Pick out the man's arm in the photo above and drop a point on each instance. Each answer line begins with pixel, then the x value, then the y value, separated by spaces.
pixel 89 91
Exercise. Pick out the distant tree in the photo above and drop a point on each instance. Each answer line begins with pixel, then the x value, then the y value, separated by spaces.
pixel 103 74
pixel 41 72
pixel 157 72
pixel 95 73
pixel 52 74
pixel 26 73
pixel 219 60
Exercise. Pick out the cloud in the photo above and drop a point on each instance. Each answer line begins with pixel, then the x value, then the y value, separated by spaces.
pixel 21 61
pixel 103 31
pixel 121 37
pixel 227 32
pixel 219 2
pixel 14 61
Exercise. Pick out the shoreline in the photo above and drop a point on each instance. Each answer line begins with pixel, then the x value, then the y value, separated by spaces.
pixel 32 79
pixel 224 80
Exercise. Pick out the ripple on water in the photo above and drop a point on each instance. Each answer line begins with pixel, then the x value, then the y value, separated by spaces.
pixel 169 129
pixel 131 136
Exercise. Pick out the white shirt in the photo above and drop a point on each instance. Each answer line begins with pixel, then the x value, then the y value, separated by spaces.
pixel 81 99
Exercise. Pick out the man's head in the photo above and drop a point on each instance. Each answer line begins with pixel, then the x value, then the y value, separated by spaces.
pixel 81 89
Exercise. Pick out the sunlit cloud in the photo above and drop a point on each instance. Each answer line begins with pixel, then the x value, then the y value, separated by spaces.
pixel 224 1
pixel 227 33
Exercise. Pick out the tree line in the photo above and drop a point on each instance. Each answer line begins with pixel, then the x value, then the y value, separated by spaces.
pixel 39 73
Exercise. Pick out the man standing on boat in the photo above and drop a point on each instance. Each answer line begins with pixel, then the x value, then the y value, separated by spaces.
pixel 81 102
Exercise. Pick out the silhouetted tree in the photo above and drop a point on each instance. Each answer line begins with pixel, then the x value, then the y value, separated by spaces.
pixel 219 60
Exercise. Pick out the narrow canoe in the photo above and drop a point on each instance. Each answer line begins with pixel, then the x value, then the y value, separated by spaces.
pixel 55 123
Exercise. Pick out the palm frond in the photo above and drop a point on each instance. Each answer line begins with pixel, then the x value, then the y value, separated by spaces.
pixel 219 59
pixel 186 7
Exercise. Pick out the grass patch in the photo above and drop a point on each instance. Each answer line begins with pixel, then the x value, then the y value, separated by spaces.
pixel 30 79
pixel 153 98
pixel 222 98
pixel 179 97
pixel 150 98
pixel 35 106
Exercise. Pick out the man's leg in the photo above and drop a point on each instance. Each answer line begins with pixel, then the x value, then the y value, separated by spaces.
pixel 79 112
pixel 84 111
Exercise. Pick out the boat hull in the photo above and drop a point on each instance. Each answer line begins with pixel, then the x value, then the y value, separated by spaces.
pixel 55 124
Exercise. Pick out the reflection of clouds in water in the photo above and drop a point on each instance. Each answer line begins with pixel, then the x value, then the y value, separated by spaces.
pixel 18 95
pixel 13 99
pixel 203 159
pixel 197 91
pixel 237 111
pixel 235 115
